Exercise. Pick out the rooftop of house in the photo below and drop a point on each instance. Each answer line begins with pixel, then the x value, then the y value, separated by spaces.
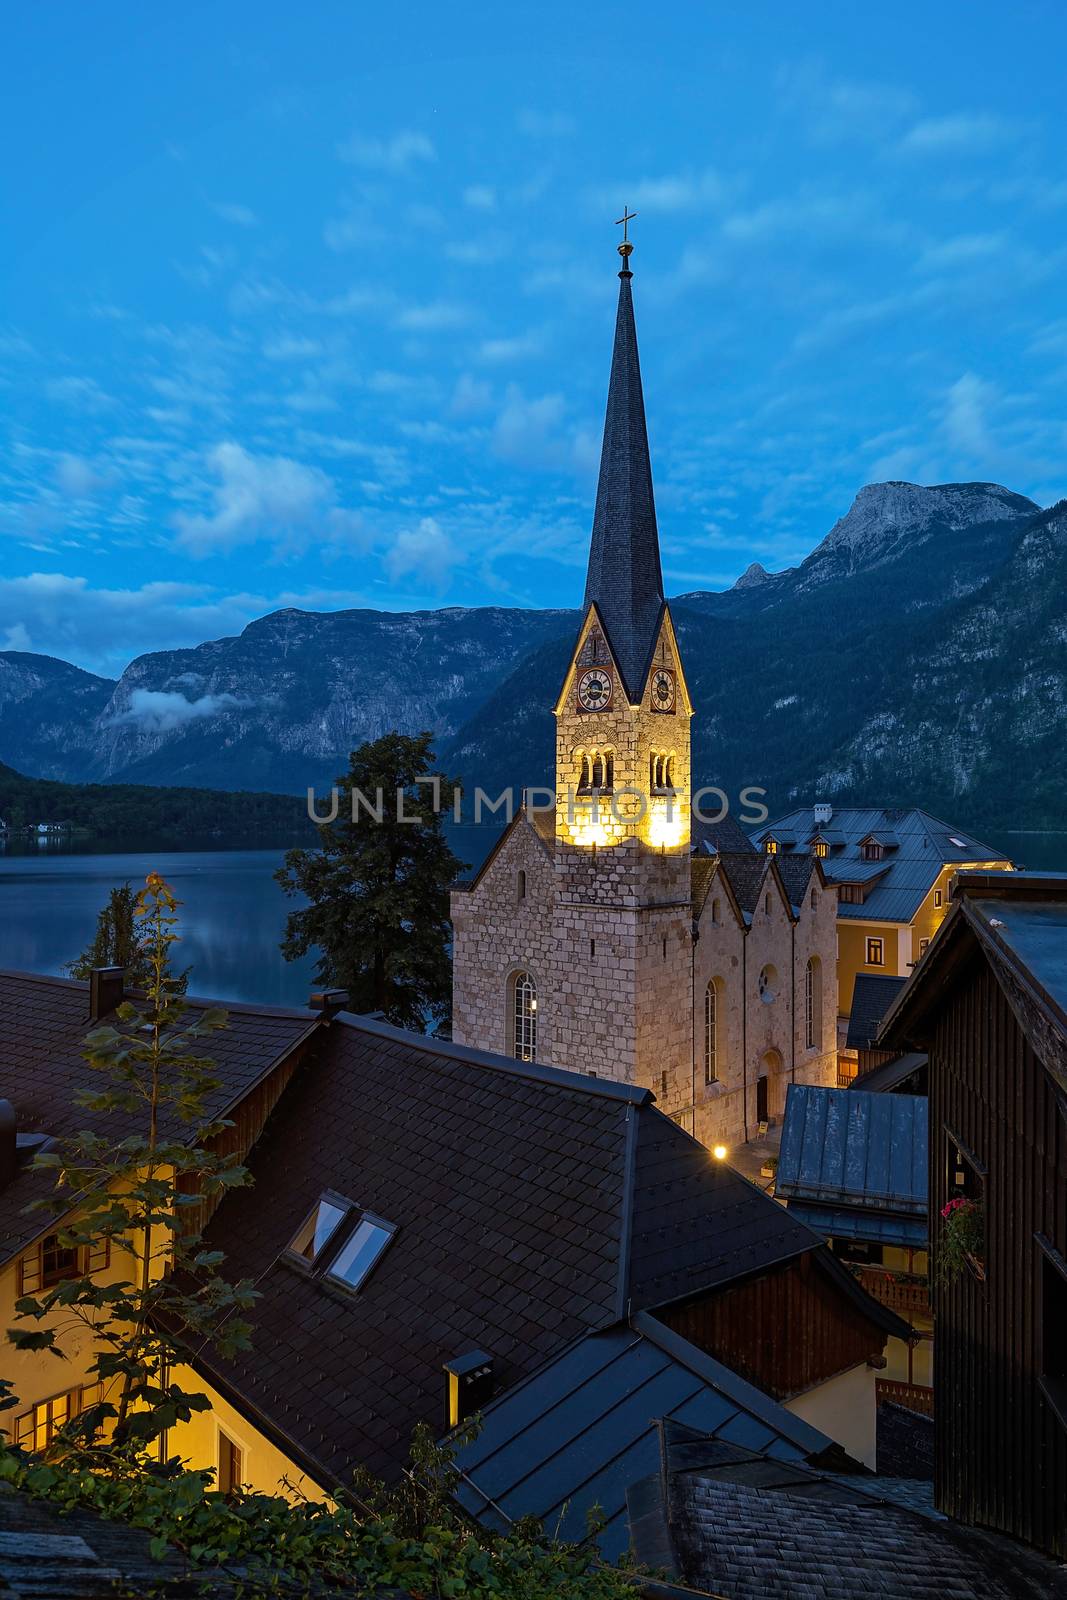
pixel 43 1025
pixel 1018 921
pixel 916 847
pixel 905 1072
pixel 872 996
pixel 727 1520
pixel 582 1429
pixel 528 1205
pixel 854 1164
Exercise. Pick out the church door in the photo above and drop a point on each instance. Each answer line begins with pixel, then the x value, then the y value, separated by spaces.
pixel 762 1114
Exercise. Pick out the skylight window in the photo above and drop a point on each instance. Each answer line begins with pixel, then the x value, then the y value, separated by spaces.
pixel 318 1229
pixel 356 1259
pixel 959 843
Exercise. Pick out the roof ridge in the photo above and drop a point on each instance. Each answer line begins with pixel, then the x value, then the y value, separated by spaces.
pixel 539 1072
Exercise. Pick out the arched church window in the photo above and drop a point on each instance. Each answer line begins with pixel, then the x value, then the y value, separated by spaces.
pixel 668 772
pixel 813 1003
pixel 597 778
pixel 585 774
pixel 715 909
pixel 609 769
pixel 711 1031
pixel 524 1016
pixel 520 884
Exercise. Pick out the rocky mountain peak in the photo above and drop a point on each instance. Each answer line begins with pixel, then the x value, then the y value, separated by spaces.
pixel 884 513
pixel 755 574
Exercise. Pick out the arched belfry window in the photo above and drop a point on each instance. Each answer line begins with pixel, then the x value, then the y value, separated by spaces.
pixel 813 1003
pixel 596 770
pixel 524 1016
pixel 711 1031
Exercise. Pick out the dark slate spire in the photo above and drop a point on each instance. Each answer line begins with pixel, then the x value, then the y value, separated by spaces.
pixel 624 577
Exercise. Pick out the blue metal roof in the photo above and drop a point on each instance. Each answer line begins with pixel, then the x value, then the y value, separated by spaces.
pixel 854 1151
pixel 872 1227
pixel 924 846
pixel 581 1431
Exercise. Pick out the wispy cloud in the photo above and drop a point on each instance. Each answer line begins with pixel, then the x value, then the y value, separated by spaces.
pixel 965 133
pixel 240 216
pixel 398 154
pixel 272 499
pixel 425 552
pixel 480 197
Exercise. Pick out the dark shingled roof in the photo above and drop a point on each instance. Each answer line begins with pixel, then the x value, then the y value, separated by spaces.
pixel 43 1024
pixel 873 994
pixel 796 873
pixel 745 874
pixel 730 1521
pixel 714 837
pixel 532 1205
pixel 624 579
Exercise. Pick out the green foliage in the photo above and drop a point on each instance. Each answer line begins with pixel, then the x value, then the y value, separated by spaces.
pixel 137 1192
pixel 151 817
pixel 378 891
pixel 961 1240
pixel 369 1540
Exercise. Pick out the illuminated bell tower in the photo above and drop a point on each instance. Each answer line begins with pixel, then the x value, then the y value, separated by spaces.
pixel 622 990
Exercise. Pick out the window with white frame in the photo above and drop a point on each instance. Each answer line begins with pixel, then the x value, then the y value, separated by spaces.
pixel 524 1016
pixel 36 1428
pixel 54 1259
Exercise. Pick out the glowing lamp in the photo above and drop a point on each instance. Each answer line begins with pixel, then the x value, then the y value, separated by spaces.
pixel 720 1152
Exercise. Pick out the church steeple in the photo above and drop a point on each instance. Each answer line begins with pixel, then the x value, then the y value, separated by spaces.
pixel 624 579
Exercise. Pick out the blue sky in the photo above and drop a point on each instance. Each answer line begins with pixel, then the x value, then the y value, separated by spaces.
pixel 313 305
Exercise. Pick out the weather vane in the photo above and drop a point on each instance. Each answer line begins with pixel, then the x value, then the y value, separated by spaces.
pixel 626 248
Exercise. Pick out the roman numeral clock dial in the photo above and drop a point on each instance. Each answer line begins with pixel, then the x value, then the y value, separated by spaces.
pixel 594 689
pixel 663 689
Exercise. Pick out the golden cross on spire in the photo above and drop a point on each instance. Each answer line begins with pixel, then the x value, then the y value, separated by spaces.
pixel 626 218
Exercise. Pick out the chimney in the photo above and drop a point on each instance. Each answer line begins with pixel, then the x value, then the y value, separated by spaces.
pixel 468 1386
pixel 106 990
pixel 823 811
pixel 8 1143
pixel 329 1002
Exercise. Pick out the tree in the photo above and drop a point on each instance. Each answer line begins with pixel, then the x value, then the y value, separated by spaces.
pixel 115 942
pixel 377 890
pixel 132 1197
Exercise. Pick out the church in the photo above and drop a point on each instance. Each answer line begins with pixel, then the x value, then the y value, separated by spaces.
pixel 610 934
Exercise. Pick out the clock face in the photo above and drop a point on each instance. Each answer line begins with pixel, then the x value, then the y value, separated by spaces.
pixel 663 690
pixel 594 689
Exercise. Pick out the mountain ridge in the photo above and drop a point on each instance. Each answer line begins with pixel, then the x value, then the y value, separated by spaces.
pixel 801 678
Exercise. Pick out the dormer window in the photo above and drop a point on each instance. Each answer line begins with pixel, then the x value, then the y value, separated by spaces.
pixel 770 846
pixel 820 848
pixel 872 850
pixel 339 1241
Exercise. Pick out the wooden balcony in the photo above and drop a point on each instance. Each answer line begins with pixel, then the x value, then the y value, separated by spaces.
pixel 907 1297
pixel 915 1396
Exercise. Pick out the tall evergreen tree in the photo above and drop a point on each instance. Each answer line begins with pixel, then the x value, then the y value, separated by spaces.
pixel 118 943
pixel 377 891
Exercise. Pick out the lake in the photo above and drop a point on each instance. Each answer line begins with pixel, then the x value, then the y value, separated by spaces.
pixel 232 915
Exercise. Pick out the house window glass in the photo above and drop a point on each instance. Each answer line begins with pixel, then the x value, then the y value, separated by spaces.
pixel 939 898
pixel 231 1465
pixel 711 1032
pixel 317 1230
pixel 876 952
pixel 771 846
pixel 58 1261
pixel 35 1429
pixel 821 848
pixel 524 1022
pixel 872 852
pixel 356 1259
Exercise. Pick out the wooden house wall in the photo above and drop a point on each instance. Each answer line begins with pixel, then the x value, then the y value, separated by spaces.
pixel 786 1330
pixel 1001 1453
pixel 248 1120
